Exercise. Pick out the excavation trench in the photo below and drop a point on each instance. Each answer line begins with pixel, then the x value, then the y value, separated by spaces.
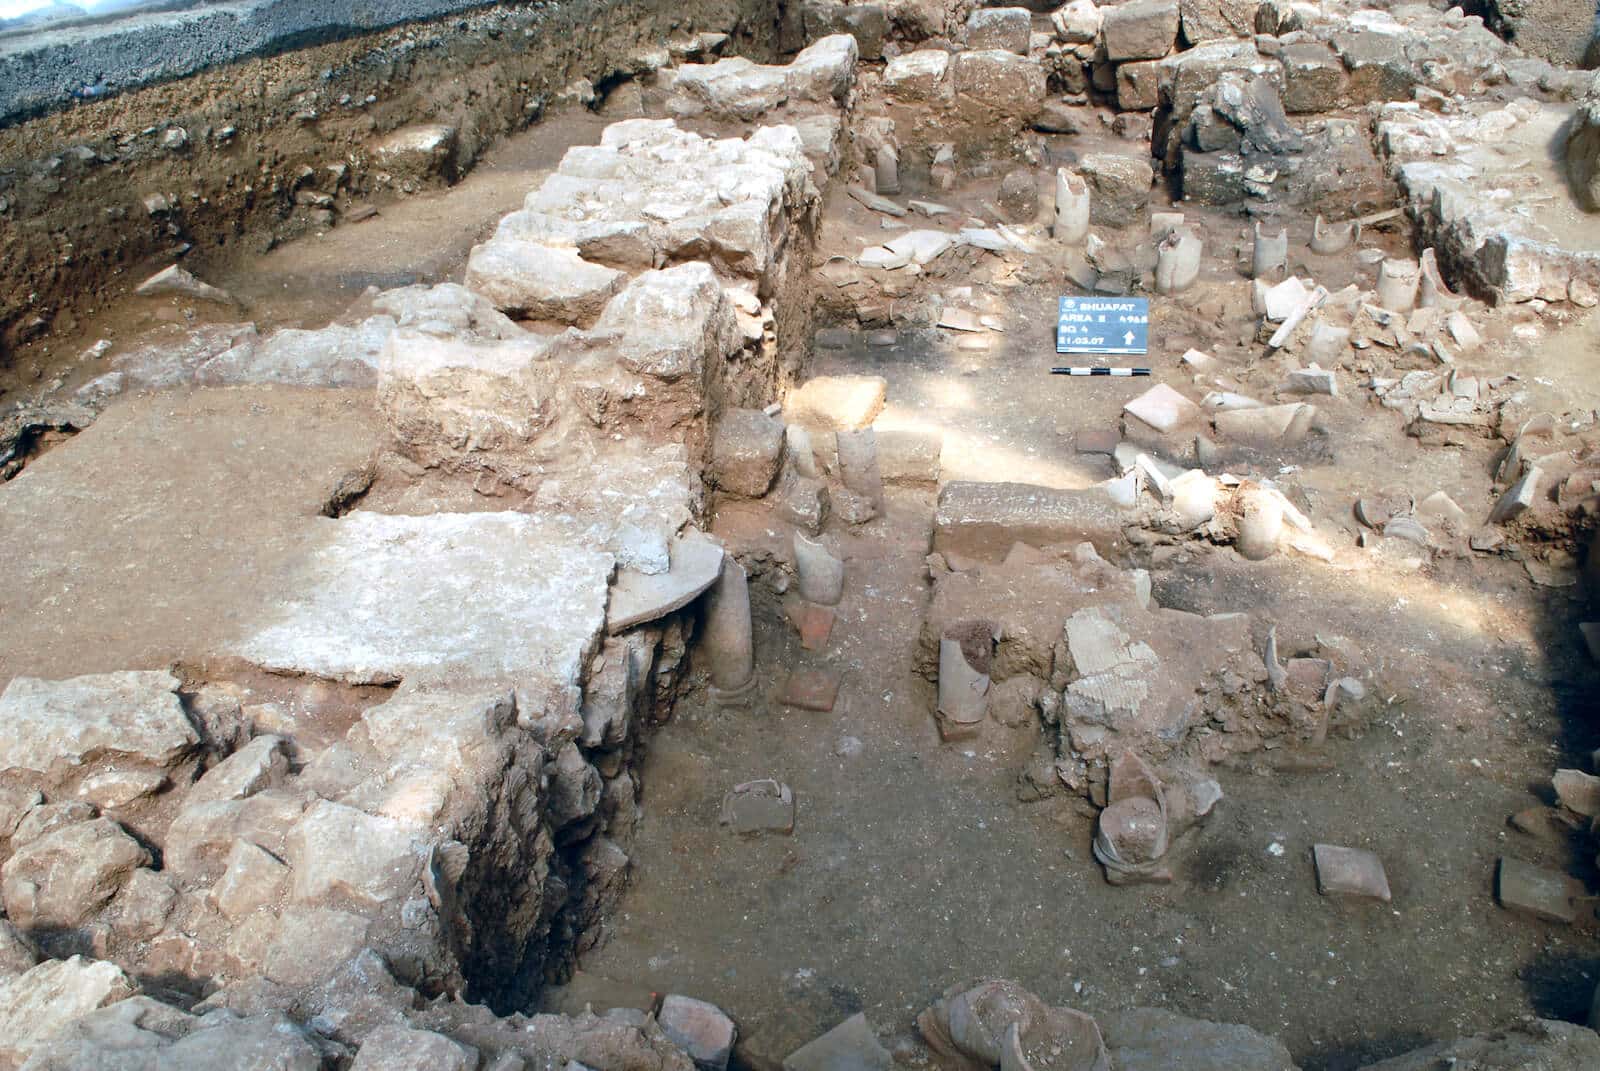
pixel 449 517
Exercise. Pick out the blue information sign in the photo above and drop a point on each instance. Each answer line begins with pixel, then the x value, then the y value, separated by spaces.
pixel 1103 325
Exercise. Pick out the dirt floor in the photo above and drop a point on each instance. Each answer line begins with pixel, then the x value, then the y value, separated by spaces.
pixel 913 866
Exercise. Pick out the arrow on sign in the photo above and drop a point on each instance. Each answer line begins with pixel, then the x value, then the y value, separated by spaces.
pixel 1127 340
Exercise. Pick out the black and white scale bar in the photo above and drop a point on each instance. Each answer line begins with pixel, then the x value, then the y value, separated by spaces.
pixel 1087 370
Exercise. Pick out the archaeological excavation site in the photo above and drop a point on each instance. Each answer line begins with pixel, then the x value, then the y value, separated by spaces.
pixel 799 535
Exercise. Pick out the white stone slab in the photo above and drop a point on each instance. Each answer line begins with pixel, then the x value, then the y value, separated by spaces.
pixel 445 597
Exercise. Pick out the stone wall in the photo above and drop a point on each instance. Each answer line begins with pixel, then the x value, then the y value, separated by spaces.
pixel 217 158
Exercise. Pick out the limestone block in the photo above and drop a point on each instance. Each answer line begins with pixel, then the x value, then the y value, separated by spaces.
pixel 262 763
pixel 916 76
pixel 1005 28
pixel 1119 187
pixel 670 323
pixel 745 452
pixel 974 517
pixel 251 879
pixel 117 716
pixel 825 70
pixel 1211 20
pixel 1077 23
pixel 1138 85
pixel 423 150
pixel 447 596
pixel 1150 1039
pixel 202 835
pixel 41 1003
pixel 398 1048
pixel 734 88
pixel 1140 29
pixel 998 82
pixel 1314 79
pixel 64 878
pixel 541 282
pixel 338 851
pixel 447 399
pixel 447 309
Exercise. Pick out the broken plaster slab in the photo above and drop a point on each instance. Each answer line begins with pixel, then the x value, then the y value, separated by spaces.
pixel 450 596
pixel 638 597
pixel 1113 668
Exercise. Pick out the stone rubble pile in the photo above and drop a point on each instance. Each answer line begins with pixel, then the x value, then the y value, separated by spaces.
pixel 444 807
pixel 1075 648
pixel 461 831
pixel 1496 225
pixel 1549 892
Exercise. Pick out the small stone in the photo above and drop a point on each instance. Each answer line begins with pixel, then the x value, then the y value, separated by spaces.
pixel 700 1029
pixel 253 878
pixel 112 789
pixel 1018 198
pixel 1119 187
pixel 1312 381
pixel 1519 498
pixel 1163 408
pixel 392 1047
pixel 811 689
pixel 765 806
pixel 1006 28
pixel 1486 541
pixel 745 452
pixel 175 281
pixel 1578 791
pixel 850 1046
pixel 1531 890
pixel 1141 29
pixel 1350 872
pixel 851 507
pixel 1441 507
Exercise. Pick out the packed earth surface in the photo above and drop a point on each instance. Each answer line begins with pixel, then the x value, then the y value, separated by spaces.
pixel 599 536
